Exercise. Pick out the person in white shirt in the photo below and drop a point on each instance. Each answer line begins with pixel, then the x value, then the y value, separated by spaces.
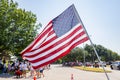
pixel 25 68
pixel 31 70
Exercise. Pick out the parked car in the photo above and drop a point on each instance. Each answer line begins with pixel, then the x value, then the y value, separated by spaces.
pixel 72 64
pixel 103 63
pixel 96 65
pixel 115 65
pixel 79 64
pixel 88 64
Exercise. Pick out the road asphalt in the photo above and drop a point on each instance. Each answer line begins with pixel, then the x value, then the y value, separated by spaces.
pixel 57 72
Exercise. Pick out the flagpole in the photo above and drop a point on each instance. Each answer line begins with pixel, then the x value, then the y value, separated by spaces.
pixel 78 17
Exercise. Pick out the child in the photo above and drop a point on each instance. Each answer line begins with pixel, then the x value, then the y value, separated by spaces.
pixel 41 71
pixel 18 73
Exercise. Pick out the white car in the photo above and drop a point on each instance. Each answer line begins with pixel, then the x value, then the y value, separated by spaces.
pixel 115 65
pixel 103 63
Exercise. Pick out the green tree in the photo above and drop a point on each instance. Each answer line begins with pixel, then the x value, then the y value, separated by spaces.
pixel 91 55
pixel 17 27
pixel 77 54
pixel 104 53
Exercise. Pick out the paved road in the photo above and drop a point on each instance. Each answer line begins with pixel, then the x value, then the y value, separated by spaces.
pixel 64 73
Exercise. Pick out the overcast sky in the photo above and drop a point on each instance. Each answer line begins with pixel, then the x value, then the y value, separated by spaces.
pixel 101 18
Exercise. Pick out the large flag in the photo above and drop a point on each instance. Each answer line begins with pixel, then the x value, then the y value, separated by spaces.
pixel 57 39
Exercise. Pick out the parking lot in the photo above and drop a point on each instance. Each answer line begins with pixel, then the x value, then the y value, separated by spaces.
pixel 57 72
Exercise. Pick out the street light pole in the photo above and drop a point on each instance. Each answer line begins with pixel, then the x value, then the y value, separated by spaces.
pixel 84 54
pixel 84 58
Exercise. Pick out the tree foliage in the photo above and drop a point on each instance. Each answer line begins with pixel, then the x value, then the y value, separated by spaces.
pixel 75 55
pixel 104 53
pixel 17 27
pixel 90 56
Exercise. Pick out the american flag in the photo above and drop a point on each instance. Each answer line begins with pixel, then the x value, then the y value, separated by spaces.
pixel 57 39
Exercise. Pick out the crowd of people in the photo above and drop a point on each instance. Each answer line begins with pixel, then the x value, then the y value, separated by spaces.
pixel 21 68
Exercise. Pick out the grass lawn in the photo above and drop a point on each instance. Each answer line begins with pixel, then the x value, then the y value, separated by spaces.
pixel 92 69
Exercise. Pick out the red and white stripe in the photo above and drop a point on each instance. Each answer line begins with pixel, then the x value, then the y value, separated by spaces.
pixel 47 48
